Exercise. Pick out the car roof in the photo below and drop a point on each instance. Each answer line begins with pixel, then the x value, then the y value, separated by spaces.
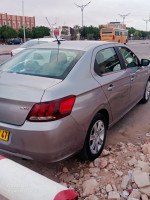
pixel 76 45
pixel 45 39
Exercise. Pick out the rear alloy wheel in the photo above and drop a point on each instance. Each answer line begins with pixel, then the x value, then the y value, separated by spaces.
pixel 146 93
pixel 95 138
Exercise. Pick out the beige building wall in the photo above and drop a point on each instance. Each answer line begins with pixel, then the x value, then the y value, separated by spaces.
pixel 16 21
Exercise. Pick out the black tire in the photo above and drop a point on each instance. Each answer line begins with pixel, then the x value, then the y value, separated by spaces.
pixel 146 93
pixel 126 42
pixel 86 153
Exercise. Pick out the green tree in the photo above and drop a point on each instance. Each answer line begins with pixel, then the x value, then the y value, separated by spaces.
pixel 100 27
pixel 144 34
pixel 74 37
pixel 6 32
pixel 90 32
pixel 90 36
pixel 131 31
pixel 76 29
pixel 27 31
pixel 40 31
pixel 137 35
pixel 148 35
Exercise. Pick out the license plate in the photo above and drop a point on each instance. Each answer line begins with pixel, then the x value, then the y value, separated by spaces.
pixel 4 135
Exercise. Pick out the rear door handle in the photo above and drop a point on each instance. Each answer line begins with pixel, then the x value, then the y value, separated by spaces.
pixel 110 88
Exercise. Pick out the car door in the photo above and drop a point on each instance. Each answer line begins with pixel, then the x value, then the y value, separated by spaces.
pixel 138 74
pixel 113 78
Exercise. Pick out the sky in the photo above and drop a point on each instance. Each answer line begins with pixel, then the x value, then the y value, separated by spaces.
pixel 64 12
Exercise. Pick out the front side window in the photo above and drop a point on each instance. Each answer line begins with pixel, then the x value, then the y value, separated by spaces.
pixel 107 30
pixel 107 61
pixel 50 63
pixel 129 57
pixel 117 33
pixel 125 33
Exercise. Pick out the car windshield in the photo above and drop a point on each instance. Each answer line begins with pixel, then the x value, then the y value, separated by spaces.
pixel 52 63
pixel 32 43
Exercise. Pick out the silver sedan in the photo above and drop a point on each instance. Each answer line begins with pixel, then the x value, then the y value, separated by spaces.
pixel 57 100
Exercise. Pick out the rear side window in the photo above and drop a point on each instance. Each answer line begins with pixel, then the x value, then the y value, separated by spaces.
pixel 107 30
pixel 52 63
pixel 129 57
pixel 106 61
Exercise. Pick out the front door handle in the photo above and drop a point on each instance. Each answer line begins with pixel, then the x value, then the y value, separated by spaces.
pixel 132 78
pixel 110 88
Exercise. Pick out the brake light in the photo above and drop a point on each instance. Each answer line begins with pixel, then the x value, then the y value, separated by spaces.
pixel 53 110
pixel 113 37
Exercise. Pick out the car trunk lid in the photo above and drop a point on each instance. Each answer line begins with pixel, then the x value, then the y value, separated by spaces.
pixel 18 93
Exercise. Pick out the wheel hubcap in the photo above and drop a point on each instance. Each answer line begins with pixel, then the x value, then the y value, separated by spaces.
pixel 97 137
pixel 147 92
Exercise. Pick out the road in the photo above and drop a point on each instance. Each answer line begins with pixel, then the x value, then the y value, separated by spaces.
pixel 3 58
pixel 132 128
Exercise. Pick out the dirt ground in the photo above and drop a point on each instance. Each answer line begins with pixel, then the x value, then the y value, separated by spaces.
pixel 133 127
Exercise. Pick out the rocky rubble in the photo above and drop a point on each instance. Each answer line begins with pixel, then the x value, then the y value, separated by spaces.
pixel 121 172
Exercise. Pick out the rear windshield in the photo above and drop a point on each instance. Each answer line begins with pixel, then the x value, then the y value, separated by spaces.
pixel 32 43
pixel 51 63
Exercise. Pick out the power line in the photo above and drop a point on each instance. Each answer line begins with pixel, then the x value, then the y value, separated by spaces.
pixel 82 9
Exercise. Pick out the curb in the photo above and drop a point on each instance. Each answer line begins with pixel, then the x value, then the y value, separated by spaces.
pixel 20 183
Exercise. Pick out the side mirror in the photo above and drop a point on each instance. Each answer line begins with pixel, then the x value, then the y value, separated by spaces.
pixel 145 62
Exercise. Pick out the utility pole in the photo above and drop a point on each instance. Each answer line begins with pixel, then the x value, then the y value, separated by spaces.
pixel 82 9
pixel 146 20
pixel 123 17
pixel 51 27
pixel 24 32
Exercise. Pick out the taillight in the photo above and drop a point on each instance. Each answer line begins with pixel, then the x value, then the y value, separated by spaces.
pixel 53 110
pixel 11 53
pixel 113 37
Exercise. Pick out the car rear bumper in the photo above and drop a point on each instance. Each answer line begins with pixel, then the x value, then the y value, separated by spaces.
pixel 44 141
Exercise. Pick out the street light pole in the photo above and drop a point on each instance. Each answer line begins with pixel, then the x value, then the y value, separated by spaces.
pixel 24 32
pixel 82 9
pixel 146 20
pixel 123 17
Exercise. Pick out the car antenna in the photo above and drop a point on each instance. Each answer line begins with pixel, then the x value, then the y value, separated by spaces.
pixel 58 42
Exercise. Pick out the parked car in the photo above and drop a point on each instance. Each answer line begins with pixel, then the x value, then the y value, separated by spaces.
pixel 59 100
pixel 33 42
pixel 11 42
